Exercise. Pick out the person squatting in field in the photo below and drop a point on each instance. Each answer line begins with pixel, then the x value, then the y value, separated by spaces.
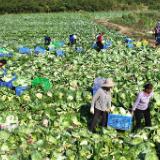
pixel 71 39
pixel 99 42
pixel 47 40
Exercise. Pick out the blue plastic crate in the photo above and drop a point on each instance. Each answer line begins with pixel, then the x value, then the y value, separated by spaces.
pixel 2 83
pixel 20 90
pixel 5 71
pixel 130 45
pixel 128 40
pixel 94 91
pixel 60 53
pixel 24 50
pixel 9 84
pixel 94 45
pixel 79 49
pixel 158 39
pixel 61 44
pixel 8 55
pixel 108 43
pixel 119 122
pixel 52 49
pixel 39 49
pixel 105 46
pixel 98 82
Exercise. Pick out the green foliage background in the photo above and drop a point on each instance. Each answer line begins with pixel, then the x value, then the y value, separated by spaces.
pixel 35 6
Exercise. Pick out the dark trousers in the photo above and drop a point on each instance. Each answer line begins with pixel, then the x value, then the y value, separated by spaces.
pixel 156 34
pixel 147 117
pixel 97 114
pixel 47 40
pixel 71 43
pixel 100 46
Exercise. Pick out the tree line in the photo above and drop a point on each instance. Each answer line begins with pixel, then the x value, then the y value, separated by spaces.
pixel 41 6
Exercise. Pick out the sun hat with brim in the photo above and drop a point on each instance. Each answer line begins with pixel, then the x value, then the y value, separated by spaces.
pixel 108 83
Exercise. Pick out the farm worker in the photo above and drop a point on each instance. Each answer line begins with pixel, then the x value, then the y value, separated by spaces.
pixel 101 99
pixel 141 106
pixel 47 40
pixel 75 37
pixel 71 40
pixel 2 63
pixel 96 37
pixel 99 42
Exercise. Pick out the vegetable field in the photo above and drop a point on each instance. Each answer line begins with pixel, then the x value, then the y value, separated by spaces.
pixel 53 123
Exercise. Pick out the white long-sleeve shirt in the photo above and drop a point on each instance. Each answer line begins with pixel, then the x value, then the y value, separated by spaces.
pixel 102 100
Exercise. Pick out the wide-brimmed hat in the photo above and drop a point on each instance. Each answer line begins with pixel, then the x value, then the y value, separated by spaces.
pixel 108 83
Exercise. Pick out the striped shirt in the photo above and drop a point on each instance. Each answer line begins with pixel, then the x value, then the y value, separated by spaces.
pixel 142 101
pixel 101 100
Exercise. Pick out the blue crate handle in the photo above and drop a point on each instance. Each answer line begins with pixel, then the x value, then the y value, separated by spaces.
pixel 120 115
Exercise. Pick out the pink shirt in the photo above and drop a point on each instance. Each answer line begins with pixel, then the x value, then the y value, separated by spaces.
pixel 142 101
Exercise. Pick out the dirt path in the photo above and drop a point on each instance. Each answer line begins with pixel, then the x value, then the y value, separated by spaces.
pixel 126 31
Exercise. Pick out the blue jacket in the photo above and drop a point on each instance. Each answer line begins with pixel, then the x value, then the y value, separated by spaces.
pixel 47 38
pixel 71 39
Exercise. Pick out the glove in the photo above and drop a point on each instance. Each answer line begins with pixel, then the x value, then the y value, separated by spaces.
pixel 92 110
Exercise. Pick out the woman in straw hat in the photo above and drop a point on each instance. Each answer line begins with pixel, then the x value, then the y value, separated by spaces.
pixel 101 99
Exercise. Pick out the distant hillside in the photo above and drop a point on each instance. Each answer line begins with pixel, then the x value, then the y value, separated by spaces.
pixel 36 6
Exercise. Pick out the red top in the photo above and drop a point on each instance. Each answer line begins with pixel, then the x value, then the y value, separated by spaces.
pixel 100 38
